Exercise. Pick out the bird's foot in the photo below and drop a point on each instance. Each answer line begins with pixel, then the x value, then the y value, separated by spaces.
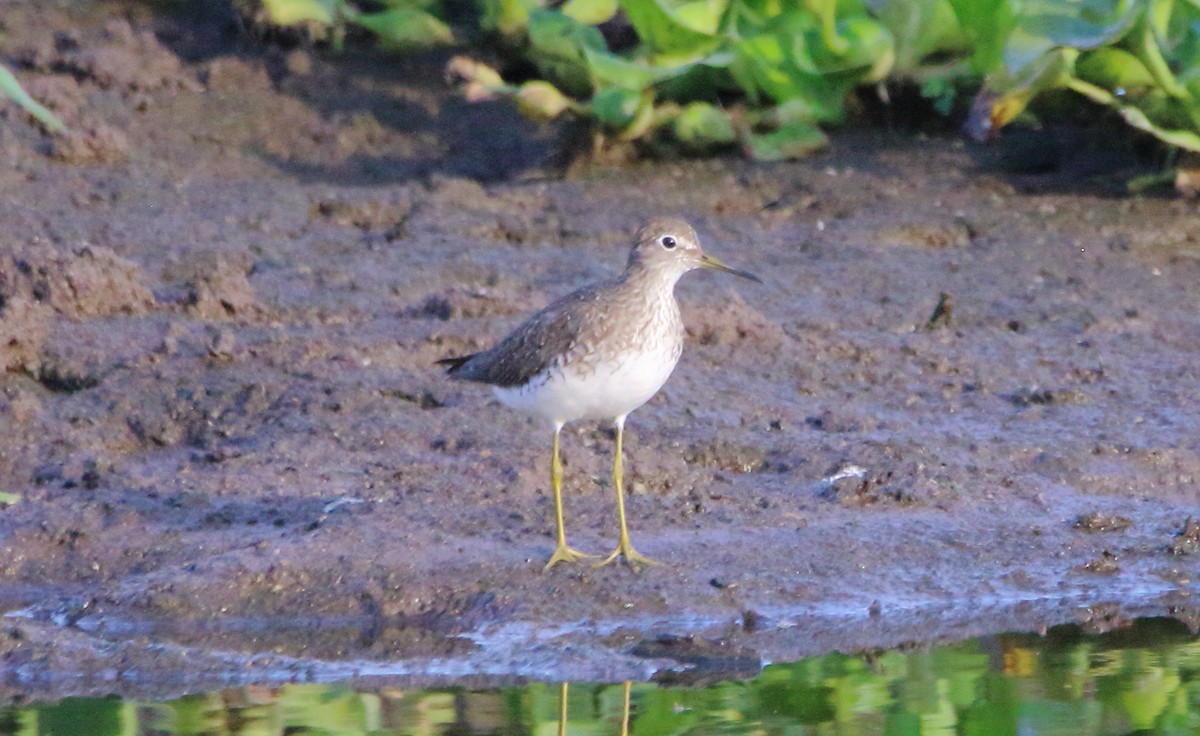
pixel 563 553
pixel 631 556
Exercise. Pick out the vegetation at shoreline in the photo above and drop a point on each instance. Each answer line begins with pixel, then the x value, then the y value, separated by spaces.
pixel 767 75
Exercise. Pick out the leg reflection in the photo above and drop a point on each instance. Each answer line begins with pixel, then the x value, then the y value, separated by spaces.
pixel 562 708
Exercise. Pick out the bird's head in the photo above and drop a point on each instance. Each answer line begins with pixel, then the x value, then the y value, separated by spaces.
pixel 669 246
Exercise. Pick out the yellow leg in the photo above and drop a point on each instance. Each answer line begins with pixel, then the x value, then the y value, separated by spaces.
pixel 562 552
pixel 625 710
pixel 624 546
pixel 562 710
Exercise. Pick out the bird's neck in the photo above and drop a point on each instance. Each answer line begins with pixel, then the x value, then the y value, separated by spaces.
pixel 657 283
pixel 650 295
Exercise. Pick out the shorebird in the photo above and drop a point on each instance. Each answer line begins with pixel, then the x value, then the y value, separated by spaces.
pixel 598 353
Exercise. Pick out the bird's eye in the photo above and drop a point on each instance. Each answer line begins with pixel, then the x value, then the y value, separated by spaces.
pixel 668 242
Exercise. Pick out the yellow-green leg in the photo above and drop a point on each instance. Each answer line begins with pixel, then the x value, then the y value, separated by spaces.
pixel 562 710
pixel 624 546
pixel 562 553
pixel 625 709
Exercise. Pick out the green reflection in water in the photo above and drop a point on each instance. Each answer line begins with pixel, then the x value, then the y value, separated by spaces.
pixel 1145 679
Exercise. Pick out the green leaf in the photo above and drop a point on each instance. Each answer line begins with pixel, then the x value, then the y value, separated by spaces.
pixel 701 126
pixel 616 108
pixel 592 12
pixel 611 70
pixel 772 63
pixel 918 28
pixel 763 57
pixel 989 31
pixel 758 11
pixel 643 120
pixel 1114 69
pixel 608 69
pixel 986 25
pixel 698 82
pixel 1151 55
pixel 701 16
pixel 469 70
pixel 541 101
pixel 1068 29
pixel 11 88
pixel 1181 41
pixel 291 12
pixel 508 17
pixel 869 48
pixel 1023 49
pixel 1046 24
pixel 405 28
pixel 784 85
pixel 1136 117
pixel 668 26
pixel 793 111
pixel 743 72
pixel 795 140
pixel 558 47
pixel 8 499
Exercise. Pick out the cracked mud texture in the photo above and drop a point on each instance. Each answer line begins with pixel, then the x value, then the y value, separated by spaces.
pixel 220 308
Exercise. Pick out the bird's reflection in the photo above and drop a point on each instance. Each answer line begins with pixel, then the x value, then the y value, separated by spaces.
pixel 562 708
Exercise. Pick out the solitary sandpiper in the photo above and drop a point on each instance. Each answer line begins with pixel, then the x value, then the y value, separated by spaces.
pixel 598 353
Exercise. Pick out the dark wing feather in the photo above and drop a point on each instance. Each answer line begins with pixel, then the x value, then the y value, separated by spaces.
pixel 532 347
pixel 453 364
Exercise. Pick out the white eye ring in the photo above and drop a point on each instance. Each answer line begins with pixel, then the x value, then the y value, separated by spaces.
pixel 667 241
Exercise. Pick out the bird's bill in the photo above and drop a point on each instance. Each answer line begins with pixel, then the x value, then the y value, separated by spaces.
pixel 707 261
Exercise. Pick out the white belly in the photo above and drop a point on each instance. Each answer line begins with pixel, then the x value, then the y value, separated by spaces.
pixel 603 390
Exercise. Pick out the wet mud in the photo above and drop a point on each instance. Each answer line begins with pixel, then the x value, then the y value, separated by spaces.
pixel 962 402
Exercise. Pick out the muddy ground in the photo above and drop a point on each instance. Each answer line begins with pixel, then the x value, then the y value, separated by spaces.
pixel 221 300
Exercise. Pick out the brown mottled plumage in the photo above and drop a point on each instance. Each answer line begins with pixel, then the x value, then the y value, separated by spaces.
pixel 548 339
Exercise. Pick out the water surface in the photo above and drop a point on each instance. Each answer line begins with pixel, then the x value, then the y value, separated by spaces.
pixel 1142 679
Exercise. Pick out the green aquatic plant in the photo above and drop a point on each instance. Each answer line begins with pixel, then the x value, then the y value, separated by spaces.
pixel 702 74
pixel 404 25
pixel 1141 58
pixel 766 76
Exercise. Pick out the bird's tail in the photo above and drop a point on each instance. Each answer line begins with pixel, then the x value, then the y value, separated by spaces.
pixel 453 364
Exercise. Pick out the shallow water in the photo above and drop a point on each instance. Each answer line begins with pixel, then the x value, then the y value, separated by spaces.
pixel 1144 679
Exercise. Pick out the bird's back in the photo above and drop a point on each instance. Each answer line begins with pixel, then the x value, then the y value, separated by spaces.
pixel 547 337
pixel 599 322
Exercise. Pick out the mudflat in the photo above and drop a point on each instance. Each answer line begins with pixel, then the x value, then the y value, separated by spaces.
pixel 962 401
